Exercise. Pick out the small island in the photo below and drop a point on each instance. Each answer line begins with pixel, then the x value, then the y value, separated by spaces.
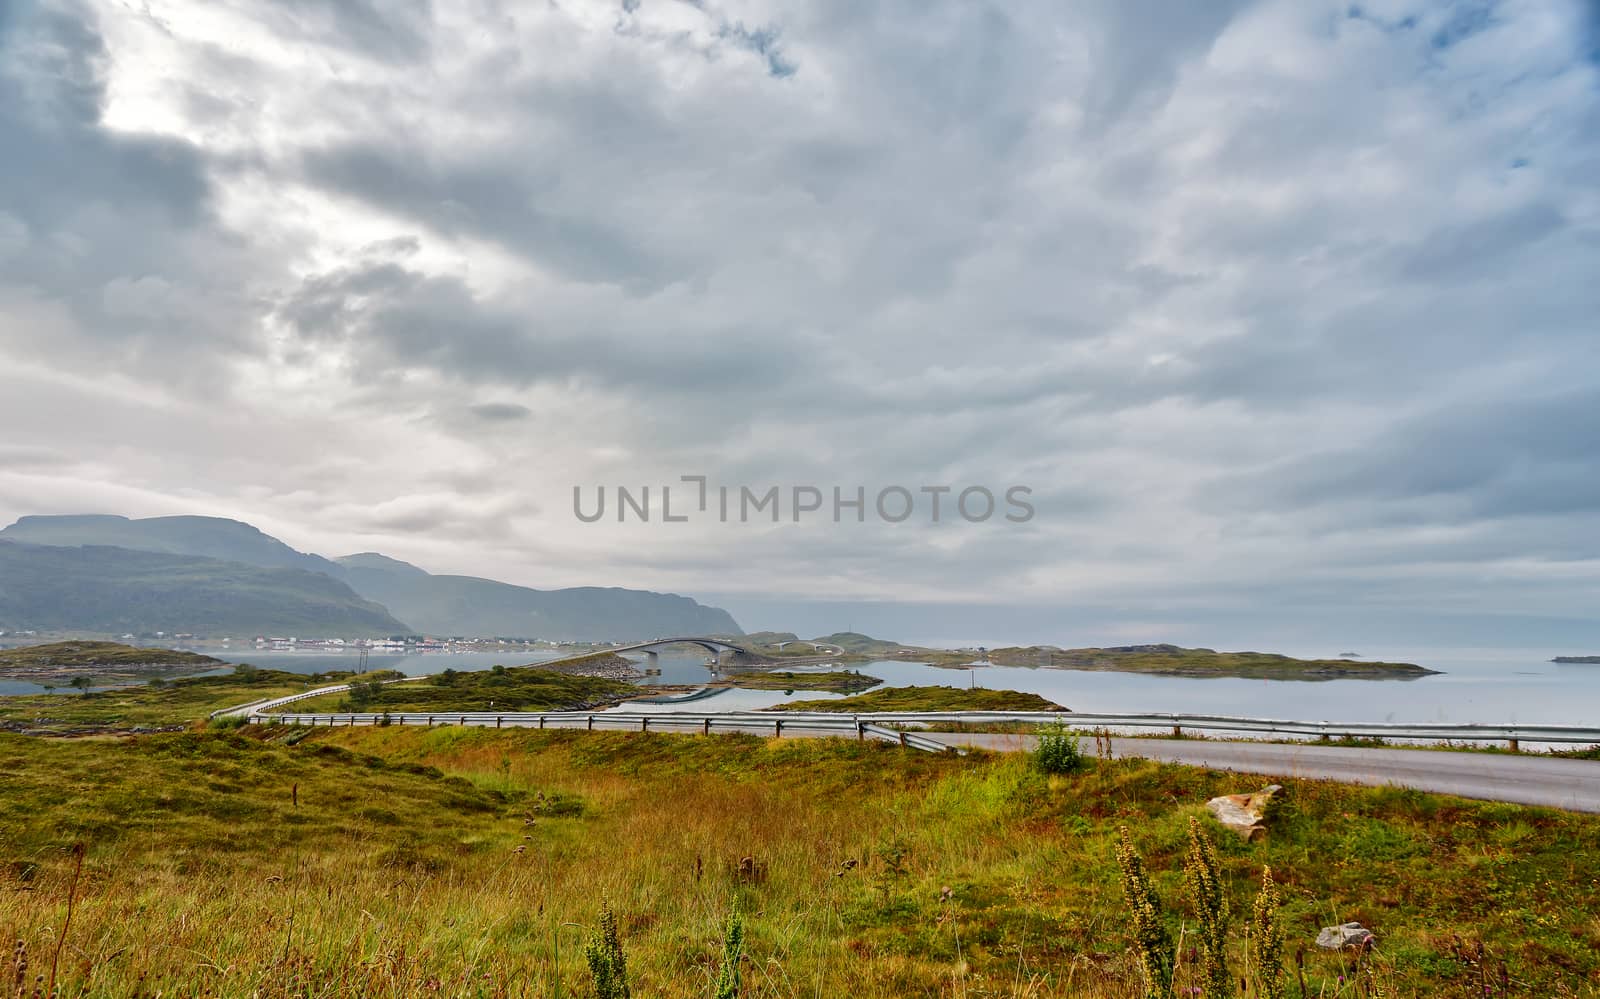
pixel 1173 660
pixel 837 682
pixel 1576 659
pixel 105 662
pixel 927 699
pixel 1162 659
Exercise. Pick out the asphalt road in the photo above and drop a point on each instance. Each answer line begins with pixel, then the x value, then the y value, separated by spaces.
pixel 1523 780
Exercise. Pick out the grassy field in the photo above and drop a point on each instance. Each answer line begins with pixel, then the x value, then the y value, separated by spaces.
pixel 928 699
pixel 516 688
pixel 467 862
pixel 838 682
pixel 174 702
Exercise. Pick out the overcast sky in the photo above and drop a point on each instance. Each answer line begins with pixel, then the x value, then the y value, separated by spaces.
pixel 1286 312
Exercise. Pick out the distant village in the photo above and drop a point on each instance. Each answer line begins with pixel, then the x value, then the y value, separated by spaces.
pixel 394 644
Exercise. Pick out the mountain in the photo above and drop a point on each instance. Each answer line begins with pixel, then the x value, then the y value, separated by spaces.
pixel 436 605
pixel 468 605
pixel 98 588
pixel 207 537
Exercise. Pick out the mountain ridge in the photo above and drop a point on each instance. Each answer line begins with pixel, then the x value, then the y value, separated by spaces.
pixel 428 603
pixel 105 589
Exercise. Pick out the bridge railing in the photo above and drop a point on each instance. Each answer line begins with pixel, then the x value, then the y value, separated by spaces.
pixel 876 724
pixel 269 703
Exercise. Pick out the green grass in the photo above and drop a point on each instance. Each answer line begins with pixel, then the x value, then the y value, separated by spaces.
pixel 928 699
pixel 519 688
pixel 158 703
pixel 456 861
pixel 839 682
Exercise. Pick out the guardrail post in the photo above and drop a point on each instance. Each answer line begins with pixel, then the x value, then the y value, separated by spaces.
pixel 497 720
pixel 591 723
pixel 777 726
pixel 903 740
pixel 705 728
pixel 541 721
pixel 644 724
pixel 430 721
pixel 1177 731
pixel 861 730
pixel 1513 742
pixel 463 719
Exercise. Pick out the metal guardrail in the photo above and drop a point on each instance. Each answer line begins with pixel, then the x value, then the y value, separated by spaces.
pixel 873 724
pixel 843 725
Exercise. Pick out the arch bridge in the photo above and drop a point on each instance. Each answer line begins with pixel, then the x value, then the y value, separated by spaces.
pixel 718 650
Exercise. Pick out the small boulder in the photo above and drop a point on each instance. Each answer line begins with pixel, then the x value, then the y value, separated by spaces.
pixel 1346 935
pixel 1247 814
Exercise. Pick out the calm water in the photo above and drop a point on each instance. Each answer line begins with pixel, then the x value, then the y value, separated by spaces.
pixel 1477 685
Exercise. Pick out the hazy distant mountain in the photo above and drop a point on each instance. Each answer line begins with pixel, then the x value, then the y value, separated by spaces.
pixel 97 588
pixel 208 537
pixel 437 605
pixel 467 605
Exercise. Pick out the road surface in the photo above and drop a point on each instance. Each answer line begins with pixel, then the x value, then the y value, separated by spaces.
pixel 1523 780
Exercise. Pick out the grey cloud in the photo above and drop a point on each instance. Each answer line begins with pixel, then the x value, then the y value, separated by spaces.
pixel 1141 46
pixel 1506 458
pixel 98 222
pixel 392 315
pixel 1472 249
pixel 500 412
pixel 396 31
pixel 26 456
pixel 513 205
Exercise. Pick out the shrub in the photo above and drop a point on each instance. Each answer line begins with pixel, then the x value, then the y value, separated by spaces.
pixel 1152 940
pixel 608 966
pixel 364 692
pixel 1202 876
pixel 1058 751
pixel 1266 940
pixel 727 985
pixel 227 721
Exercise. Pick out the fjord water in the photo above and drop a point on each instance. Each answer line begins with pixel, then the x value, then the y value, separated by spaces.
pixel 1474 685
